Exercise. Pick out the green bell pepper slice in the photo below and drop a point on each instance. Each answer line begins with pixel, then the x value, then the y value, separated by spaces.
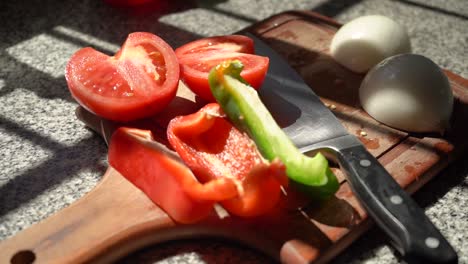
pixel 243 106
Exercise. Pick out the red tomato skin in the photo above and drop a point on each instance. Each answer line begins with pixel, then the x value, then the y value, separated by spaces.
pixel 155 174
pixel 242 44
pixel 123 108
pixel 253 73
pixel 214 149
pixel 197 52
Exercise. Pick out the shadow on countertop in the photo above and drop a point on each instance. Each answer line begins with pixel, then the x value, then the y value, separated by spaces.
pixel 88 21
pixel 31 27
pixel 78 24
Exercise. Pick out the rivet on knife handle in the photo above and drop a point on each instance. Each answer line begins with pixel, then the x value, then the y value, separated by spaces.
pixel 393 209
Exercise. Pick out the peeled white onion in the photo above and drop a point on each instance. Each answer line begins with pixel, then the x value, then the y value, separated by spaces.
pixel 365 41
pixel 408 92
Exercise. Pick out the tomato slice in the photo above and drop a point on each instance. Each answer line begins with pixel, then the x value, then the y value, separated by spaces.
pixel 138 81
pixel 199 57
pixel 230 43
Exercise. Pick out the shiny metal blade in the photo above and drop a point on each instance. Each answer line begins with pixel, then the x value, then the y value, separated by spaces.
pixel 294 105
pixel 312 126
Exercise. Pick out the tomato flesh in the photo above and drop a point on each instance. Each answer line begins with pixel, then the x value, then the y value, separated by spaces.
pixel 99 74
pixel 199 57
pixel 139 81
pixel 230 43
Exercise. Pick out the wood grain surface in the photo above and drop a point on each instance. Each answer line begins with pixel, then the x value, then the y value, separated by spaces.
pixel 116 218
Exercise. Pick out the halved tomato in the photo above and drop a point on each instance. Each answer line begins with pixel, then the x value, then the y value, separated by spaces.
pixel 197 58
pixel 139 81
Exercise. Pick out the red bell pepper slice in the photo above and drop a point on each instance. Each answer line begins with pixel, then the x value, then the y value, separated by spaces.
pixel 214 149
pixel 162 176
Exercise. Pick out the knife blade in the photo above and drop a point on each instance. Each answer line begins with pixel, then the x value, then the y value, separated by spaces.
pixel 313 127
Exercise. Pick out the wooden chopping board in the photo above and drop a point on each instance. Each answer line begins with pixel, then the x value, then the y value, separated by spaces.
pixel 115 218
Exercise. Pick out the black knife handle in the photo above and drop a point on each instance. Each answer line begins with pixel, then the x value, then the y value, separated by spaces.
pixel 393 209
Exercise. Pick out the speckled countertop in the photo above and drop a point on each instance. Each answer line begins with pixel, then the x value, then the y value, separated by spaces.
pixel 48 159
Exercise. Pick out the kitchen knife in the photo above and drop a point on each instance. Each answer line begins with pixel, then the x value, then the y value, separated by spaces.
pixel 313 127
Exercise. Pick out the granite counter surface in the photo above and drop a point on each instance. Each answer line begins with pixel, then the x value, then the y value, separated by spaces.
pixel 49 160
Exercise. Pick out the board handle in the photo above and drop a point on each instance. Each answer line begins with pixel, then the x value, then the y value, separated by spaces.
pixel 412 233
pixel 115 214
pixel 116 218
